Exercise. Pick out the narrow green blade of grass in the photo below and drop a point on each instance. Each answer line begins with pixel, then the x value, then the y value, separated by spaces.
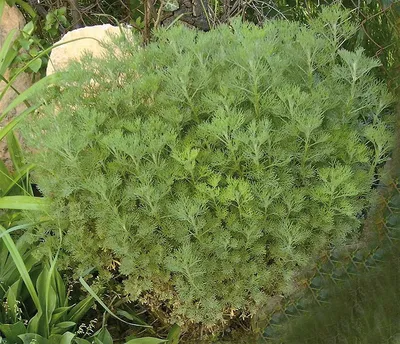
pixel 11 55
pixel 12 124
pixel 59 288
pixel 4 62
pixel 5 178
pixel 131 317
pixel 3 262
pixel 19 263
pixel 14 148
pixel 16 178
pixel 15 228
pixel 2 3
pixel 23 203
pixel 29 92
pixel 94 295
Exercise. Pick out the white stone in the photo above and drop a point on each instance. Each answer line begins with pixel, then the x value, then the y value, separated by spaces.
pixel 89 41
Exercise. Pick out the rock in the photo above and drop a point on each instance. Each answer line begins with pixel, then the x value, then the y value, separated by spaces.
pixel 11 19
pixel 62 55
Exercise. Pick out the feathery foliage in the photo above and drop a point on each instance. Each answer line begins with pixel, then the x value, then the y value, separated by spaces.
pixel 351 297
pixel 208 168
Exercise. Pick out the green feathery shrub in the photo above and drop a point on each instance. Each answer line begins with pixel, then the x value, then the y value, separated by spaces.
pixel 206 169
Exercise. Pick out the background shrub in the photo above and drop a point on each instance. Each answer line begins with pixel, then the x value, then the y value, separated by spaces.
pixel 205 170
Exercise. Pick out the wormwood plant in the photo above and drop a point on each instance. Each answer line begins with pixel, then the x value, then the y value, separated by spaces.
pixel 352 294
pixel 205 170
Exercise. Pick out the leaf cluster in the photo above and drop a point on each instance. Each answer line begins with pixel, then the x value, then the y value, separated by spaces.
pixel 206 169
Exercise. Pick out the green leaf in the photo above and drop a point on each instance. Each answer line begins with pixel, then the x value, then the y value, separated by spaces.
pixel 103 336
pixel 173 335
pixel 29 28
pixel 147 340
pixel 13 295
pixel 5 178
pixel 66 338
pixel 63 20
pixel 12 229
pixel 94 295
pixel 12 55
pixel 23 203
pixel 25 43
pixel 17 177
pixel 30 338
pixel 131 317
pixel 61 11
pixel 53 31
pixel 8 271
pixel 59 313
pixel 59 287
pixel 27 8
pixel 35 66
pixel 79 310
pixel 33 51
pixel 7 45
pixel 47 297
pixel 19 262
pixel 62 327
pixel 50 19
pixel 81 341
pixel 66 324
pixel 14 149
pixel 12 331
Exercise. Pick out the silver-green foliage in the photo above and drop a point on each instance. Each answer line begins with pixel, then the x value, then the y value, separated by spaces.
pixel 212 166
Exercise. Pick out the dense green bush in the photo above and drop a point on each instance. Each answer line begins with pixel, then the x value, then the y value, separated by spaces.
pixel 205 170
